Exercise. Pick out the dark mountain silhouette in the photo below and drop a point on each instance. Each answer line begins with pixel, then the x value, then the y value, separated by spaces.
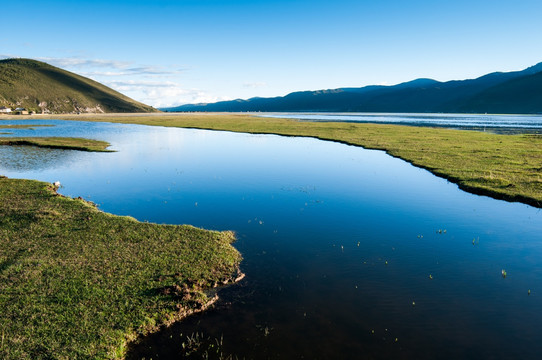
pixel 511 92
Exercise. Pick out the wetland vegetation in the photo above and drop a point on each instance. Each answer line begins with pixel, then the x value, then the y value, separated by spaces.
pixel 80 144
pixel 76 282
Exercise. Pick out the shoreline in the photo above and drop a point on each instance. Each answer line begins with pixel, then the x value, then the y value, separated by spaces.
pixel 480 163
pixel 182 314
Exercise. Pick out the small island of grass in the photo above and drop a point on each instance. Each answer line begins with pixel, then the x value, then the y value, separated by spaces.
pixel 80 144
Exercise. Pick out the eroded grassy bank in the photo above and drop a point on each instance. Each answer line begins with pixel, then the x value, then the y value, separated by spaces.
pixel 506 167
pixel 79 283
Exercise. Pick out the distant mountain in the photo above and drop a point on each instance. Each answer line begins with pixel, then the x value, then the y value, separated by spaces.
pixel 512 92
pixel 40 87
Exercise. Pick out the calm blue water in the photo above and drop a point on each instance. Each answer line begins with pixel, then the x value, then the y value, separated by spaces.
pixel 341 245
pixel 491 123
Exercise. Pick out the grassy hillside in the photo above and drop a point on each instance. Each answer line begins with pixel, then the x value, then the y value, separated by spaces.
pixel 40 87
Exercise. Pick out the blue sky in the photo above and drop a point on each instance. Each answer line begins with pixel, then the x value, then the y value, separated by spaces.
pixel 167 52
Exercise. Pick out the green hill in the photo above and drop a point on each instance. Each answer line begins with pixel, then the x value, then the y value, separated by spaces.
pixel 43 88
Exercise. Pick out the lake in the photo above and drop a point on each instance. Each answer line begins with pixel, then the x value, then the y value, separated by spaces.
pixel 348 253
pixel 507 124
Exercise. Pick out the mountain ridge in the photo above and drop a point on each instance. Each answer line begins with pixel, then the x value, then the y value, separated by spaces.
pixel 422 95
pixel 43 88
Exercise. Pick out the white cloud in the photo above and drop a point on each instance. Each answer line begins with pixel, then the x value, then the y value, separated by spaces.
pixel 162 94
pixel 90 66
pixel 79 62
pixel 7 56
pixel 151 70
pixel 254 85
pixel 135 80
pixel 169 97
pixel 94 74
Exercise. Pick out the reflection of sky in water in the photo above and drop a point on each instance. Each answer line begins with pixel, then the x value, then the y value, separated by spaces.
pixel 316 222
pixel 31 158
pixel 91 130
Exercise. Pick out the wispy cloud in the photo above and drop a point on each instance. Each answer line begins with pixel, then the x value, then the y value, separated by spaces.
pixel 151 70
pixel 134 80
pixel 254 85
pixel 90 67
pixel 141 84
pixel 163 94
pixel 81 63
pixel 102 73
pixel 73 62
pixel 148 71
pixel 7 56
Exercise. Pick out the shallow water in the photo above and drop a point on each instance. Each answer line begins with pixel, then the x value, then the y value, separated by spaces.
pixel 504 124
pixel 341 245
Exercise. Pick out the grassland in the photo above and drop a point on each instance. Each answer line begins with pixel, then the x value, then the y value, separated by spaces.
pixel 77 283
pixel 507 167
pixel 80 144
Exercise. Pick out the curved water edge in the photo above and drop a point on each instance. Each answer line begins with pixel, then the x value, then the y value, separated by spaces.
pixel 503 122
pixel 347 251
pixel 460 182
pixel 452 179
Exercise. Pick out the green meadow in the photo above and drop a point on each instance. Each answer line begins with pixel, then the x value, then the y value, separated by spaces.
pixel 77 283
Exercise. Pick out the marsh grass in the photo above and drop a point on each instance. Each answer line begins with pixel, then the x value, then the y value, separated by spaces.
pixel 505 167
pixel 80 144
pixel 199 346
pixel 79 283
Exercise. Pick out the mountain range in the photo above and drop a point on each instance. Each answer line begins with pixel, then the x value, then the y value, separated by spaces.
pixel 518 92
pixel 43 88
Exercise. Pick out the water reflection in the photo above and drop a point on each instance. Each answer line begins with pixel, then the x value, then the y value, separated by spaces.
pixel 22 158
pixel 341 245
